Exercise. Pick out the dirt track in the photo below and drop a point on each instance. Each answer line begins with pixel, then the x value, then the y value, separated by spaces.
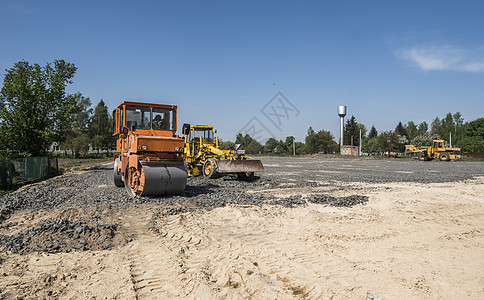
pixel 312 228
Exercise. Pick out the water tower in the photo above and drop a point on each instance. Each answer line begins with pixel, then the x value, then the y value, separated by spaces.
pixel 341 114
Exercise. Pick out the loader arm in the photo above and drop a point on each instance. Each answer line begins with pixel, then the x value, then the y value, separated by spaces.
pixel 215 150
pixel 411 149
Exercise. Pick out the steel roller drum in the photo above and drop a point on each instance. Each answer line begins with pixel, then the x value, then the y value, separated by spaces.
pixel 164 180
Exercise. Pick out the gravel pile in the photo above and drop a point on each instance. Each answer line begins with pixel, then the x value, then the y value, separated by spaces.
pixel 96 188
pixel 63 235
pixel 340 201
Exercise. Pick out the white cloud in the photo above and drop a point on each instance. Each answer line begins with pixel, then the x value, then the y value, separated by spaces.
pixel 439 58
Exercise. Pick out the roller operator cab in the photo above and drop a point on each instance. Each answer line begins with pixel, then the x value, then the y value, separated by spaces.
pixel 149 154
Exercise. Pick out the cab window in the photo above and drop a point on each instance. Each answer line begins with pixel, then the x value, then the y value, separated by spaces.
pixel 138 117
pixel 163 119
pixel 121 118
pixel 206 134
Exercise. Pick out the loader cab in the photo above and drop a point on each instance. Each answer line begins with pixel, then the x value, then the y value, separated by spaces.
pixel 206 133
pixel 197 135
pixel 438 146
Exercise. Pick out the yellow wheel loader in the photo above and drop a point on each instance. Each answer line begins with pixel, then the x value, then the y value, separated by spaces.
pixel 203 155
pixel 437 150
pixel 149 155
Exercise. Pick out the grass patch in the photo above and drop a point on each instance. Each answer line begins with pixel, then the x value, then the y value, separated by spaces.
pixel 472 158
pixel 6 191
pixel 68 164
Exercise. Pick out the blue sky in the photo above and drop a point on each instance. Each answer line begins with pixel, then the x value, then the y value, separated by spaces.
pixel 224 63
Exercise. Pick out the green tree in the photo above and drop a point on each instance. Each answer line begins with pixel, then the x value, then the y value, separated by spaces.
pixel 76 128
pixel 80 112
pixel 411 130
pixel 459 124
pixel 436 127
pixel 473 141
pixel 400 129
pixel 227 145
pixel 34 107
pixel 322 141
pixel 388 141
pixel 373 133
pixel 248 144
pixel 76 141
pixel 476 128
pixel 351 129
pixel 472 144
pixel 299 148
pixel 290 140
pixel 100 127
pixel 270 145
pixel 423 127
pixel 424 139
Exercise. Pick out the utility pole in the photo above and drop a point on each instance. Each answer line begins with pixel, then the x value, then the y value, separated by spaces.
pixel 294 146
pixel 359 150
pixel 352 145
pixel 450 139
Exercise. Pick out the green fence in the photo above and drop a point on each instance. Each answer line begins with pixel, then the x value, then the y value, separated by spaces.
pixel 22 170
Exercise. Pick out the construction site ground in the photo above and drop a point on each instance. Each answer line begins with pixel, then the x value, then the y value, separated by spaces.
pixel 312 228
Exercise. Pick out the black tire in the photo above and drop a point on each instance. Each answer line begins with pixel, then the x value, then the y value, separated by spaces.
pixel 209 169
pixel 422 156
pixel 444 156
pixel 118 180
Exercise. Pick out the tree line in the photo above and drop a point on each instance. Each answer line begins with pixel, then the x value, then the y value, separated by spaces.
pixel 36 111
pixel 452 129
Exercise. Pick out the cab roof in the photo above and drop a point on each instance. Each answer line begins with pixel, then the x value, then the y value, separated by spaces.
pixel 147 104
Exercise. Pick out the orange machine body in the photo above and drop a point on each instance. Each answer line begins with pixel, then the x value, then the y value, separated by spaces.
pixel 148 149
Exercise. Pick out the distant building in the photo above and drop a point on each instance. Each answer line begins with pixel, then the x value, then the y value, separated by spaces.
pixel 89 150
pixel 349 150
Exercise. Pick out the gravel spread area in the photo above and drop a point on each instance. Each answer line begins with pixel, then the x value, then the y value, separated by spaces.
pixel 95 189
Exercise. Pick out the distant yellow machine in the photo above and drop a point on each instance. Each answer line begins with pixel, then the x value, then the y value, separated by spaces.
pixel 202 151
pixel 437 150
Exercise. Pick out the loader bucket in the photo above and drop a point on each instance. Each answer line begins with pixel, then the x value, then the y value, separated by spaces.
pixel 238 166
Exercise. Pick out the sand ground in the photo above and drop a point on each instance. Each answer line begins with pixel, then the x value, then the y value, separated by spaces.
pixel 409 241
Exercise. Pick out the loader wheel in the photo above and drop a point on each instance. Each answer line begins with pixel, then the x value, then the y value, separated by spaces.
pixel 246 176
pixel 209 170
pixel 444 156
pixel 118 181
pixel 421 157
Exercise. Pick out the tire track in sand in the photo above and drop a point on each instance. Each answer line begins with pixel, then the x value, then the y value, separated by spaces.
pixel 153 267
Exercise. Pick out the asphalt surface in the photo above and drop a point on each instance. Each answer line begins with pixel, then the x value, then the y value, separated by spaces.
pixel 369 170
